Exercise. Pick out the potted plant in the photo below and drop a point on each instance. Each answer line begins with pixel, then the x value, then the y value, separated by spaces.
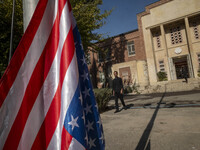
pixel 162 76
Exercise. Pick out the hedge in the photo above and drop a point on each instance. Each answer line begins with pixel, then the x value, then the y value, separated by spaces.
pixel 102 97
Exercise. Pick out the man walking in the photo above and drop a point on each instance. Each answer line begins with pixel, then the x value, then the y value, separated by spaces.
pixel 184 73
pixel 118 91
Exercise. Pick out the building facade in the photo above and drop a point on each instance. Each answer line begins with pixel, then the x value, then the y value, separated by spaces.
pixel 167 40
pixel 171 33
pixel 124 54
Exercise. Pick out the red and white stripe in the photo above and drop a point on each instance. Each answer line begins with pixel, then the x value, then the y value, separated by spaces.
pixel 40 81
pixel 70 142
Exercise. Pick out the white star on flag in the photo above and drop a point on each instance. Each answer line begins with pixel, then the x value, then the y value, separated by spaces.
pixel 99 122
pixel 85 76
pixel 83 60
pixel 91 143
pixel 86 138
pixel 82 46
pixel 89 126
pixel 88 109
pixel 102 137
pixel 86 92
pixel 83 117
pixel 73 122
pixel 80 98
pixel 96 106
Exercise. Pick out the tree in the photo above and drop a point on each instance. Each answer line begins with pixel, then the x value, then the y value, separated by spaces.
pixel 89 17
pixel 5 29
pixel 86 12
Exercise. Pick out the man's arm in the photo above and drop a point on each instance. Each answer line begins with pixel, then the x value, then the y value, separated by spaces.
pixel 113 87
pixel 121 91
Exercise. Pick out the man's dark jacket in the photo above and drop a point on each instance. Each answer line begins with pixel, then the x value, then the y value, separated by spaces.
pixel 117 84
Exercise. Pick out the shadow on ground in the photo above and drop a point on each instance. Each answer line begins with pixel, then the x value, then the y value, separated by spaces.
pixel 108 108
pixel 167 94
pixel 144 143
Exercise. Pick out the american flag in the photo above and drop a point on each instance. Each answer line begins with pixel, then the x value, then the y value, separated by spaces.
pixel 46 96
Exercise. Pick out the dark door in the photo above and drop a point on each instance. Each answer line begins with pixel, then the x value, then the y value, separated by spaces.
pixel 179 67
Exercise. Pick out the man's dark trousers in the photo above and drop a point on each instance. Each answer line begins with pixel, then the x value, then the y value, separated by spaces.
pixel 120 96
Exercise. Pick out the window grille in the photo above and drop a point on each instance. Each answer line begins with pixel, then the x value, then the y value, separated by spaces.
pixel 199 59
pixel 162 66
pixel 158 40
pixel 196 31
pixel 176 36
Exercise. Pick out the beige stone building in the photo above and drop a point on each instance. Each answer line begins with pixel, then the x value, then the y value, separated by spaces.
pixel 171 33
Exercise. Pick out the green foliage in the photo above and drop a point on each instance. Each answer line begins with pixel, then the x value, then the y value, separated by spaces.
pixel 198 73
pixel 128 89
pixel 89 17
pixel 162 76
pixel 86 12
pixel 102 97
pixel 5 29
pixel 135 88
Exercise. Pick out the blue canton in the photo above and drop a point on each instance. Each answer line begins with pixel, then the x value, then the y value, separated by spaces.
pixel 82 120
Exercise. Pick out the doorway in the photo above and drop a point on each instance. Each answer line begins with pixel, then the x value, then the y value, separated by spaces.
pixel 125 74
pixel 179 64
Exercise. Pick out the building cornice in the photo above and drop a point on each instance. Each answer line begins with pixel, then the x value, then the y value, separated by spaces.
pixel 153 5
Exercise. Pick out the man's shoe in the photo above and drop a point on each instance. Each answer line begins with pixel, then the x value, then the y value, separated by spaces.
pixel 116 111
pixel 125 107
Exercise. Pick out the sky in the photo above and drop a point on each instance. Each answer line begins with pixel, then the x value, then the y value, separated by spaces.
pixel 123 18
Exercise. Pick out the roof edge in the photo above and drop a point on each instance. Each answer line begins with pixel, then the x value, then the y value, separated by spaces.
pixel 152 5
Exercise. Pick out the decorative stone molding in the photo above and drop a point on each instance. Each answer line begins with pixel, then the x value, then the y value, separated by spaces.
pixel 178 50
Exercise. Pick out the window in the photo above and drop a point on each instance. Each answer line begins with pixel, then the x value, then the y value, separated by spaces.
pixel 196 31
pixel 158 40
pixel 176 36
pixel 162 66
pixel 108 56
pixel 198 59
pixel 131 48
pixel 104 55
pixel 100 57
pixel 88 58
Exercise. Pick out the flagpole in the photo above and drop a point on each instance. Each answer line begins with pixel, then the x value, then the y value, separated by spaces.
pixel 11 36
pixel 28 10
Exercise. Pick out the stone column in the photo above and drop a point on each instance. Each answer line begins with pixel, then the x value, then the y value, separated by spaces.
pixel 168 64
pixel 190 49
pixel 151 58
pixel 28 9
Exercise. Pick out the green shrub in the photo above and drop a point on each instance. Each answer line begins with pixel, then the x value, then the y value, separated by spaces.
pixel 103 96
pixel 198 73
pixel 162 76
pixel 135 88
pixel 128 89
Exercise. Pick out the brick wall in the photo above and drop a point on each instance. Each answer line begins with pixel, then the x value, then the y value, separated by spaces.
pixel 118 47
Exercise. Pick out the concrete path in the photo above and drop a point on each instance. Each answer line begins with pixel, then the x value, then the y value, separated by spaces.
pixel 154 128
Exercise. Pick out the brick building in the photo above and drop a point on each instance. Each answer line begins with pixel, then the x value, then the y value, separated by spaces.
pixel 124 53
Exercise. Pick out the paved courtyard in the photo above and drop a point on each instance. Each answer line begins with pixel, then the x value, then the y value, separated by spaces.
pixel 169 121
